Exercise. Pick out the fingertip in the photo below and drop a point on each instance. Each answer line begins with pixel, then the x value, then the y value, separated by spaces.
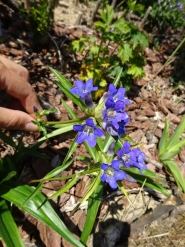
pixel 31 127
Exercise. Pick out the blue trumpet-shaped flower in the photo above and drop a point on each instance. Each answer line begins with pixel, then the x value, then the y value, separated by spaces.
pixel 117 95
pixel 84 91
pixel 179 6
pixel 112 173
pixel 87 132
pixel 131 158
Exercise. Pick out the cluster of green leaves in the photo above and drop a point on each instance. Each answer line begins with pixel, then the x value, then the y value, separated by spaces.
pixel 165 14
pixel 39 17
pixel 120 45
pixel 169 147
pixel 25 197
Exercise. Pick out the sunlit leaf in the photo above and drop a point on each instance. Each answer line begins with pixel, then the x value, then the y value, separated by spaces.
pixel 92 210
pixel 8 229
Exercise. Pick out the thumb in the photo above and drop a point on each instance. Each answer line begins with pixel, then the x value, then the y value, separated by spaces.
pixel 13 119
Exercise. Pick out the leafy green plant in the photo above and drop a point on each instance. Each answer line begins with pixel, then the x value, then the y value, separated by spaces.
pixel 165 14
pixel 111 159
pixel 39 17
pixel 119 45
pixel 169 147
pixel 24 197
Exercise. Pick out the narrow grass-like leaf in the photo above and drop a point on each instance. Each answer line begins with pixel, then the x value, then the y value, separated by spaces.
pixel 57 170
pixel 117 78
pixel 37 207
pixel 8 229
pixel 108 140
pixel 66 187
pixel 74 98
pixel 65 129
pixel 35 192
pixel 164 138
pixel 70 111
pixel 7 139
pixel 178 146
pixel 93 152
pixel 100 143
pixel 168 155
pixel 177 134
pixel 176 173
pixel 92 188
pixel 92 210
pixel 70 151
pixel 61 78
pixel 122 188
pixel 148 183
pixel 6 177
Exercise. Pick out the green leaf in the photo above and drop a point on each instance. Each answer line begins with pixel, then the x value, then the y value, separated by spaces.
pixel 135 71
pixel 125 52
pixel 92 210
pixel 8 229
pixel 148 183
pixel 5 177
pixel 66 187
pixel 61 78
pixel 70 151
pixel 164 139
pixel 117 78
pixel 168 155
pixel 94 185
pixel 174 139
pixel 140 38
pixel 70 111
pixel 57 132
pixel 7 139
pixel 93 152
pixel 176 173
pixel 58 170
pixel 37 207
pixel 108 140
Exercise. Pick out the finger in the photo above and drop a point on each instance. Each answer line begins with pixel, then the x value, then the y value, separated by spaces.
pixel 20 70
pixel 16 86
pixel 12 119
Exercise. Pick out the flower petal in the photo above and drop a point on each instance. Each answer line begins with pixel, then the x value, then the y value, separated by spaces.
pixel 112 89
pixel 115 164
pixel 119 175
pixel 103 177
pixel 98 132
pixel 80 85
pixel 104 166
pixel 112 182
pixel 81 137
pixel 91 140
pixel 90 122
pixel 78 127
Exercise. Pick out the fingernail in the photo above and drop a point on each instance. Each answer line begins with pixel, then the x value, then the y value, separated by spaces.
pixel 31 127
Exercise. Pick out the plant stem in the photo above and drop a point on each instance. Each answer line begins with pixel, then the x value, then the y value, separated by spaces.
pixel 68 121
pixel 65 177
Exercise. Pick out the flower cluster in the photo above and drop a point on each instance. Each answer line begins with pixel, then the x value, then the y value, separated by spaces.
pixel 126 158
pixel 114 116
pixel 111 114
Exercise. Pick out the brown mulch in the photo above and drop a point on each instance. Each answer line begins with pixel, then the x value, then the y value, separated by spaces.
pixel 154 221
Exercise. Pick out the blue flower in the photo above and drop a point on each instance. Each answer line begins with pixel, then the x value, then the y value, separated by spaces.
pixel 131 158
pixel 112 173
pixel 171 6
pixel 179 5
pixel 84 91
pixel 117 94
pixel 114 118
pixel 87 132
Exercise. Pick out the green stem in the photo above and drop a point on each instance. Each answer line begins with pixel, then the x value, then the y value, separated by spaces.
pixel 65 177
pixel 170 57
pixel 69 121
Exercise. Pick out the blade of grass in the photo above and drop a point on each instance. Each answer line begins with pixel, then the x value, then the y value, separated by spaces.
pixel 93 206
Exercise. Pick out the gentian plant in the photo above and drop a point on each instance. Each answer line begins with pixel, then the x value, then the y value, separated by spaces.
pixel 102 130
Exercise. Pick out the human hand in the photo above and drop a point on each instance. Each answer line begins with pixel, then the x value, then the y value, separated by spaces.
pixel 14 80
